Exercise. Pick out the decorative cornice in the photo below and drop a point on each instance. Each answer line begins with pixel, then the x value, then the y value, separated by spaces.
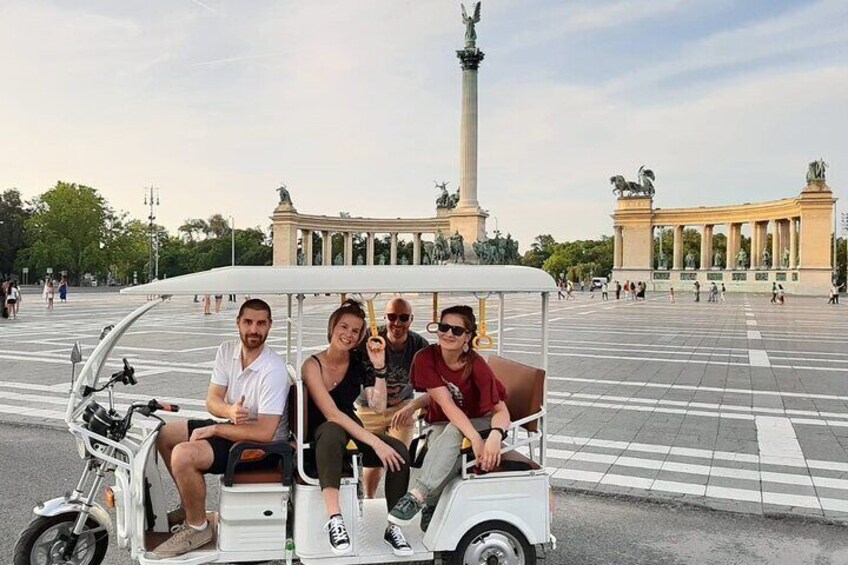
pixel 469 59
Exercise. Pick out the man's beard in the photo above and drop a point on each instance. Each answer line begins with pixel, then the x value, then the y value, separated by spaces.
pixel 253 341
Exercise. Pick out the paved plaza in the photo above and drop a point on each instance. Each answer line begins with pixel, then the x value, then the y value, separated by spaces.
pixel 740 406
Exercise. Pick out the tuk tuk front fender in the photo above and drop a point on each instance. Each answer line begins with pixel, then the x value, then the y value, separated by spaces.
pixel 61 505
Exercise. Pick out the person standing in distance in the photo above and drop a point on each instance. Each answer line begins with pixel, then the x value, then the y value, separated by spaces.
pixel 398 419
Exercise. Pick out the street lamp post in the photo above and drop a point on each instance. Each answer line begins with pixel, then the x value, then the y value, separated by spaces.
pixel 151 199
pixel 233 234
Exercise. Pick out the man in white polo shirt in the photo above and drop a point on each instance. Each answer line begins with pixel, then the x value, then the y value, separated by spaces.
pixel 249 389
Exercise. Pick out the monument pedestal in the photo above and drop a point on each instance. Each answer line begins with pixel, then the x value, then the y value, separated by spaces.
pixel 285 234
pixel 471 225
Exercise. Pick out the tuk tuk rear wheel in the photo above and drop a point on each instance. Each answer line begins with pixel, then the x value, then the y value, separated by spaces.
pixel 493 543
pixel 42 540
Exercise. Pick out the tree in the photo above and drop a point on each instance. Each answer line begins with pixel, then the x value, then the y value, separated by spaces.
pixel 579 260
pixel 13 215
pixel 66 231
pixel 539 251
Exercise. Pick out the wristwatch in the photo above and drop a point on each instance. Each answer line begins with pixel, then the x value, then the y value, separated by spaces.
pixel 502 432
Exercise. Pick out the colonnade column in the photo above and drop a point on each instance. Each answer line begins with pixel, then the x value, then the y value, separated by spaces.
pixel 306 242
pixel 707 247
pixel 776 244
pixel 793 244
pixel 393 248
pixel 416 248
pixel 734 242
pixel 369 249
pixel 618 248
pixel 348 248
pixel 327 247
pixel 677 261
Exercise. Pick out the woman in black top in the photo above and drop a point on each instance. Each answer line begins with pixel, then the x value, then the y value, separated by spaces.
pixel 335 378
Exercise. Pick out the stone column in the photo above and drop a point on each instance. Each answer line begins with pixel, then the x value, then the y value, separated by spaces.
pixel 793 243
pixel 393 248
pixel 618 247
pixel 327 247
pixel 369 249
pixel 734 243
pixel 776 234
pixel 677 262
pixel 755 245
pixel 470 59
pixel 707 247
pixel 348 248
pixel 416 248
pixel 306 241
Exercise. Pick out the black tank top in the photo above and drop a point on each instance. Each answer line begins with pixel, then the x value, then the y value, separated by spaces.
pixel 344 395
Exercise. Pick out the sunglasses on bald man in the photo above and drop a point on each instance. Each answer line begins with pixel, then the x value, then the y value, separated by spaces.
pixel 404 318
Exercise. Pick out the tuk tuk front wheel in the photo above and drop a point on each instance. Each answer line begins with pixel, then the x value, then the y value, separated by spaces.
pixel 493 543
pixel 42 542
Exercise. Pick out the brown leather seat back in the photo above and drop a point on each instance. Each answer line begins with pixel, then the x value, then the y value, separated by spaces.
pixel 525 387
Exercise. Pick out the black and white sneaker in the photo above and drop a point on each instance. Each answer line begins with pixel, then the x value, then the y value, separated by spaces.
pixel 394 538
pixel 339 540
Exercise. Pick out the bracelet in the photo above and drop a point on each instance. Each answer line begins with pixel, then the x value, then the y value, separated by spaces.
pixel 501 431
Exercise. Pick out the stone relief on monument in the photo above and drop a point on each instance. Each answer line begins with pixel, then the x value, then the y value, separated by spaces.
pixel 628 189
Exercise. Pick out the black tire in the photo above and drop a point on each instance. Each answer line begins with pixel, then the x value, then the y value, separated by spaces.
pixel 26 553
pixel 483 534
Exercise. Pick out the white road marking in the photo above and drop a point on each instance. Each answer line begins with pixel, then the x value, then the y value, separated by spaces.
pixel 758 358
pixel 753 334
pixel 751 322
pixel 776 439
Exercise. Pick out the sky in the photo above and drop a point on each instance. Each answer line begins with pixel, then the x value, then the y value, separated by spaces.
pixel 355 106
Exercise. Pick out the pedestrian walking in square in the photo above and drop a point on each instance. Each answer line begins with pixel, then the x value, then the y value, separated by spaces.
pixel 671 294
pixel 605 291
pixel 627 290
pixel 697 291
pixel 722 299
pixel 781 295
pixel 63 289
pixel 834 294
pixel 51 294
pixel 13 300
pixel 617 290
pixel 560 294
pixel 773 293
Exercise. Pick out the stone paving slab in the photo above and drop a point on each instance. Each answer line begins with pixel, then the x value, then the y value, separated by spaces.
pixel 648 399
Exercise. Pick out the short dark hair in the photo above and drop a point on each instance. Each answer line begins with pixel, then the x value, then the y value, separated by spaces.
pixel 349 306
pixel 255 304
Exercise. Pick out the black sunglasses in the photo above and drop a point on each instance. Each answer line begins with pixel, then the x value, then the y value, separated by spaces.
pixel 445 328
pixel 404 318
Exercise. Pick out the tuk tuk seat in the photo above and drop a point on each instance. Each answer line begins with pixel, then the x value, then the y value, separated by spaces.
pixel 525 388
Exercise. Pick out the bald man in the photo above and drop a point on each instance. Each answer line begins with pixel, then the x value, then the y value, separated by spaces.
pixel 401 346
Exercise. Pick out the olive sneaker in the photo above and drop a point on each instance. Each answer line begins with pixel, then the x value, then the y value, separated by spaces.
pixel 339 539
pixel 184 540
pixel 394 539
pixel 405 510
pixel 426 516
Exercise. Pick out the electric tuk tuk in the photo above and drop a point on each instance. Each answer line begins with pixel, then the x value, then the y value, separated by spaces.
pixel 499 517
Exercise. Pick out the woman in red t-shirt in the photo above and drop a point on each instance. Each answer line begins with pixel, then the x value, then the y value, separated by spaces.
pixel 465 400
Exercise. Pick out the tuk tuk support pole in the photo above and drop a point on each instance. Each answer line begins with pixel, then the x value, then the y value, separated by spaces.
pixel 372 322
pixel 288 328
pixel 544 440
pixel 299 359
pixel 500 323
pixel 483 339
pixel 435 307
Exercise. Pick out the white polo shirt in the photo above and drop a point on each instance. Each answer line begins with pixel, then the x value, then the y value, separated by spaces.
pixel 264 383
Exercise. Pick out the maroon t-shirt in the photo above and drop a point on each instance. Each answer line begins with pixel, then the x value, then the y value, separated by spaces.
pixel 476 395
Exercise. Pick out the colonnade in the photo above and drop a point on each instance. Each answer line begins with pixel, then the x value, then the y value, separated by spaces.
pixel 785 237
pixel 349 259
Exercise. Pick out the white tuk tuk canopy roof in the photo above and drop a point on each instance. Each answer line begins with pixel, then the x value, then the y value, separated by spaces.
pixel 354 279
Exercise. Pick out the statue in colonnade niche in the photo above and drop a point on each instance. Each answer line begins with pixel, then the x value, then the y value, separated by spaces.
pixel 662 261
pixel 404 260
pixel 766 259
pixel 338 259
pixel 742 259
pixel 690 260
pixel 319 259
pixel 360 260
pixel 786 256
pixel 717 260
pixel 381 260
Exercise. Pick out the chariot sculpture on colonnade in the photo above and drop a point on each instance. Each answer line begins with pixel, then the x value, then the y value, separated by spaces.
pixel 625 189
